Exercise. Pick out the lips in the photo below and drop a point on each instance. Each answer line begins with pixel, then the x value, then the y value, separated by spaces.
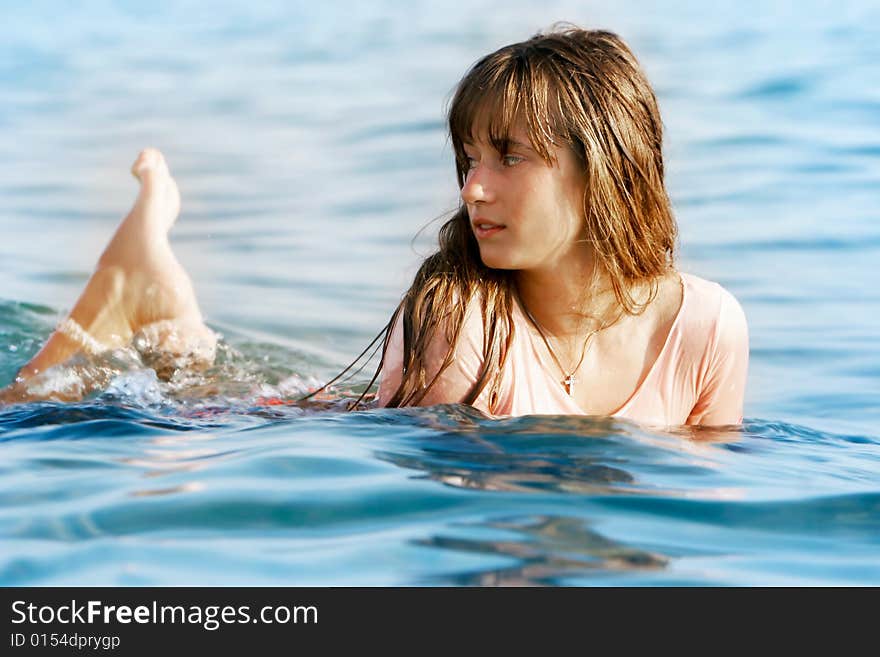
pixel 484 228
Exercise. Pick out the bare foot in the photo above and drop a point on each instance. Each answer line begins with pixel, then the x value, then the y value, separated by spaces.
pixel 162 311
pixel 157 184
pixel 156 287
pixel 141 240
pixel 139 289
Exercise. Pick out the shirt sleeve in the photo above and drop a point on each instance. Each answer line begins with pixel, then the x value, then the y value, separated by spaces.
pixel 721 397
pixel 457 380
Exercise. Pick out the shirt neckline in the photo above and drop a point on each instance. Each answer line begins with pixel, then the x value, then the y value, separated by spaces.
pixel 641 386
pixel 661 356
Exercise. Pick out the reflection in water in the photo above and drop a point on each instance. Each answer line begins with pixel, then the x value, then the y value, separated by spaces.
pixel 553 548
pixel 190 487
pixel 520 473
pixel 521 454
pixel 463 418
pixel 698 434
pixel 551 454
pixel 175 454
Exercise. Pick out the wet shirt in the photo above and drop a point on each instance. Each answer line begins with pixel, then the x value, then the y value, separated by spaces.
pixel 700 372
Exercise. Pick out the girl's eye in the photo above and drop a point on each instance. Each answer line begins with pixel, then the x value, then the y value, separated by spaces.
pixel 511 160
pixel 471 163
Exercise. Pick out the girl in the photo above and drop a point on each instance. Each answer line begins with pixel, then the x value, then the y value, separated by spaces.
pixel 554 289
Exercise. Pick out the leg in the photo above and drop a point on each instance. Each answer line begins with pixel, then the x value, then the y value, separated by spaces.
pixel 138 289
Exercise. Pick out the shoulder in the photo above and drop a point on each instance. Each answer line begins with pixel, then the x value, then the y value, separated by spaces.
pixel 714 326
pixel 466 351
pixel 711 306
pixel 472 325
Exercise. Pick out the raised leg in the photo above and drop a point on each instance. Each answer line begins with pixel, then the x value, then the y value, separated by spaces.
pixel 138 290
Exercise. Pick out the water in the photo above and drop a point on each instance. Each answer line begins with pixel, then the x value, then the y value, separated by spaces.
pixel 309 148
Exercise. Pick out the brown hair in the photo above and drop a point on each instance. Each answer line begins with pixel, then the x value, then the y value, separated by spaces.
pixel 585 90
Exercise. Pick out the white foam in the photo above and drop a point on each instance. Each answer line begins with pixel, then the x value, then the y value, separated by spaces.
pixel 138 387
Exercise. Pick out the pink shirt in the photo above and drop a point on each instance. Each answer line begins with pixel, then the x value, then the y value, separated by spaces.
pixel 699 376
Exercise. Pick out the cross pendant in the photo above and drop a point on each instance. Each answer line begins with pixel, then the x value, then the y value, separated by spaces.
pixel 568 382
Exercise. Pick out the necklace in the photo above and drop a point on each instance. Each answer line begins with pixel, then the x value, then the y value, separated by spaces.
pixel 568 379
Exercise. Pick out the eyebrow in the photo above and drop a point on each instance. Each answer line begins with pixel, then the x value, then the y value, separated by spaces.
pixel 511 142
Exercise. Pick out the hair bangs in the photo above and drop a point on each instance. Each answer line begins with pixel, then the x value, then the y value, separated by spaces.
pixel 501 93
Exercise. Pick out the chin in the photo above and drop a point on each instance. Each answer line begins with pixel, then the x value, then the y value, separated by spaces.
pixel 496 261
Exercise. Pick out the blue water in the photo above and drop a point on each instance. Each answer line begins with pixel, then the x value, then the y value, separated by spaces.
pixel 309 148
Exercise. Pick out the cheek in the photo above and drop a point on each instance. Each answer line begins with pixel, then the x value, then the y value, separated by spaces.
pixel 574 208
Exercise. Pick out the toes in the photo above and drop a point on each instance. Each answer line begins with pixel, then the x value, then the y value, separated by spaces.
pixel 158 188
pixel 148 161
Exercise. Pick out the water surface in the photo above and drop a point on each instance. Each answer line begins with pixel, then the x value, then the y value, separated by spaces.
pixel 310 151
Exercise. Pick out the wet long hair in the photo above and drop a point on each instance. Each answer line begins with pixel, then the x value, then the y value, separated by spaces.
pixel 582 89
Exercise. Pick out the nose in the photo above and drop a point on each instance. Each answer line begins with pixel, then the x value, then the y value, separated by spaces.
pixel 477 186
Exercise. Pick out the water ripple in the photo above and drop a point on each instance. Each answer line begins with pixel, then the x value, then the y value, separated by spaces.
pixel 308 152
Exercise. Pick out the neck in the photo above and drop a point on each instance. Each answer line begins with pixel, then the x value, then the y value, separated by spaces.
pixel 567 299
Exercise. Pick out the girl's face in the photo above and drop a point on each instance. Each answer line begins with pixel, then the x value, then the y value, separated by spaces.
pixel 525 214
